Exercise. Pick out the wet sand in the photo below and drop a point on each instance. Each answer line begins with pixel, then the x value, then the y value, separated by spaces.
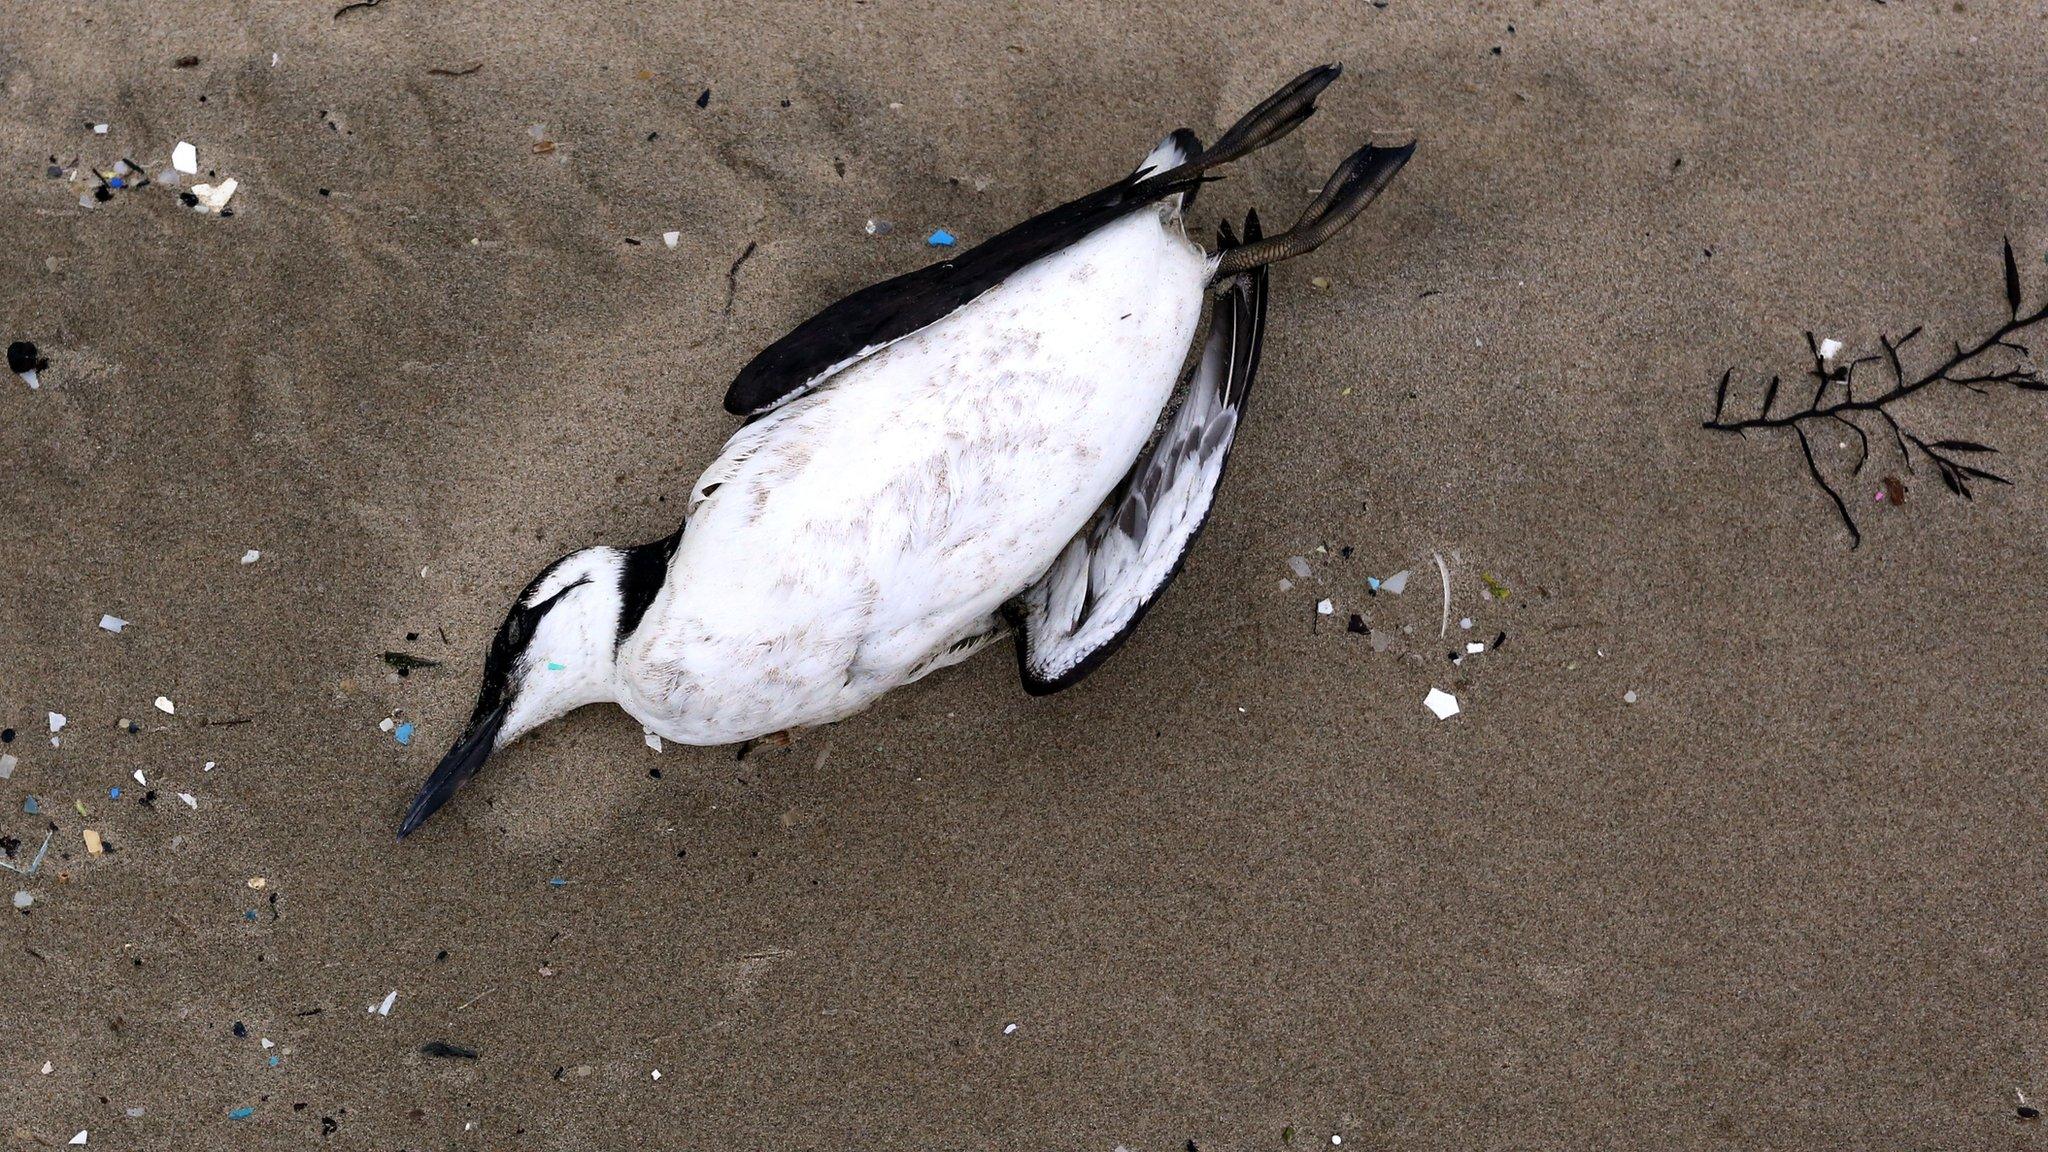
pixel 1239 888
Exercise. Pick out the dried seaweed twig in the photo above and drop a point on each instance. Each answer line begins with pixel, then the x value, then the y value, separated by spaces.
pixel 1997 359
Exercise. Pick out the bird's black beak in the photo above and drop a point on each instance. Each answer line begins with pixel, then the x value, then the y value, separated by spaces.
pixel 455 769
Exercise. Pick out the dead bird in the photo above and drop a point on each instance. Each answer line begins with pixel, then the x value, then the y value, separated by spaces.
pixel 931 464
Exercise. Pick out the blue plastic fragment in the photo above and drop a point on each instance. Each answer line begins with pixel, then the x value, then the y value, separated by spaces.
pixel 29 806
pixel 940 238
pixel 250 915
pixel 241 1113
pixel 118 182
pixel 403 733
pixel 554 666
pixel 113 793
pixel 556 882
pixel 1372 582
pixel 273 1061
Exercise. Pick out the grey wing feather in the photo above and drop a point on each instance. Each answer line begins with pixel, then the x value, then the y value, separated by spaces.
pixel 1103 583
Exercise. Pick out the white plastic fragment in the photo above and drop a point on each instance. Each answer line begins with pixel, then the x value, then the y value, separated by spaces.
pixel 1442 703
pixel 1829 347
pixel 7 764
pixel 185 158
pixel 190 800
pixel 23 899
pixel 57 722
pixel 1444 628
pixel 47 1069
pixel 80 1138
pixel 1466 623
pixel 652 740
pixel 112 623
pixel 1473 646
pixel 164 705
pixel 268 1043
pixel 383 1008
pixel 657 1073
pixel 1397 583
pixel 671 239
pixel 97 130
pixel 251 556
pixel 1286 585
pixel 214 197
pixel 1009 1029
pixel 1628 697
pixel 208 768
pixel 140 778
pixel 1325 608
pixel 1299 565
pixel 386 724
pixel 33 379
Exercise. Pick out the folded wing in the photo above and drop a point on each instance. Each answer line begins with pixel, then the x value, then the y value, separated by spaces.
pixel 1103 583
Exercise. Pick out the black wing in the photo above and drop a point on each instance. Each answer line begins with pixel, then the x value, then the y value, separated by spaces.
pixel 877 316
pixel 1117 568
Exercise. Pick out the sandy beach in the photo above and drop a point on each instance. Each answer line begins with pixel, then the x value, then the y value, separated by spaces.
pixel 1737 841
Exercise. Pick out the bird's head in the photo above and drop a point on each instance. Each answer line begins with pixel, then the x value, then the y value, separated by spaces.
pixel 554 653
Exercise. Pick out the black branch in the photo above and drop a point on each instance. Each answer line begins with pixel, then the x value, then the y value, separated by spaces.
pixel 1997 360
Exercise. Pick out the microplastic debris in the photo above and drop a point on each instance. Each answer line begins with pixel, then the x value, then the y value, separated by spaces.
pixel 1397 583
pixel 1319 282
pixel 215 196
pixel 135 1113
pixel 1008 1029
pixel 80 1138
pixel 251 556
pixel 28 805
pixel 387 724
pixel 1325 607
pixel 112 623
pixel 1335 1139
pixel 1466 623
pixel 879 227
pixel 113 793
pixel 447 1051
pixel 407 662
pixel 1828 348
pixel 57 722
pixel 1442 703
pixel 258 883
pixel 556 666
pixel 267 1044
pixel 383 1008
pixel 93 845
pixel 1372 582
pixel 242 1113
pixel 671 239
pixel 403 734
pixel 46 1068
pixel 164 705
pixel 185 158
pixel 22 899
pixel 1287 585
pixel 652 741
pixel 556 881
pixel 1299 566
pixel 1356 624
pixel 1474 646
pixel 140 779
pixel 657 1073
pixel 208 768
pixel 940 238
pixel 7 763
pixel 1445 627
pixel 1628 697
pixel 190 800
pixel 97 130
pixel 1494 588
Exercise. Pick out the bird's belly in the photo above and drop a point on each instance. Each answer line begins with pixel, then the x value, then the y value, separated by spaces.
pixel 858 534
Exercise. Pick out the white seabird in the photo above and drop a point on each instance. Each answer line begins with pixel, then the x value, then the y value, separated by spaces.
pixel 928 465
